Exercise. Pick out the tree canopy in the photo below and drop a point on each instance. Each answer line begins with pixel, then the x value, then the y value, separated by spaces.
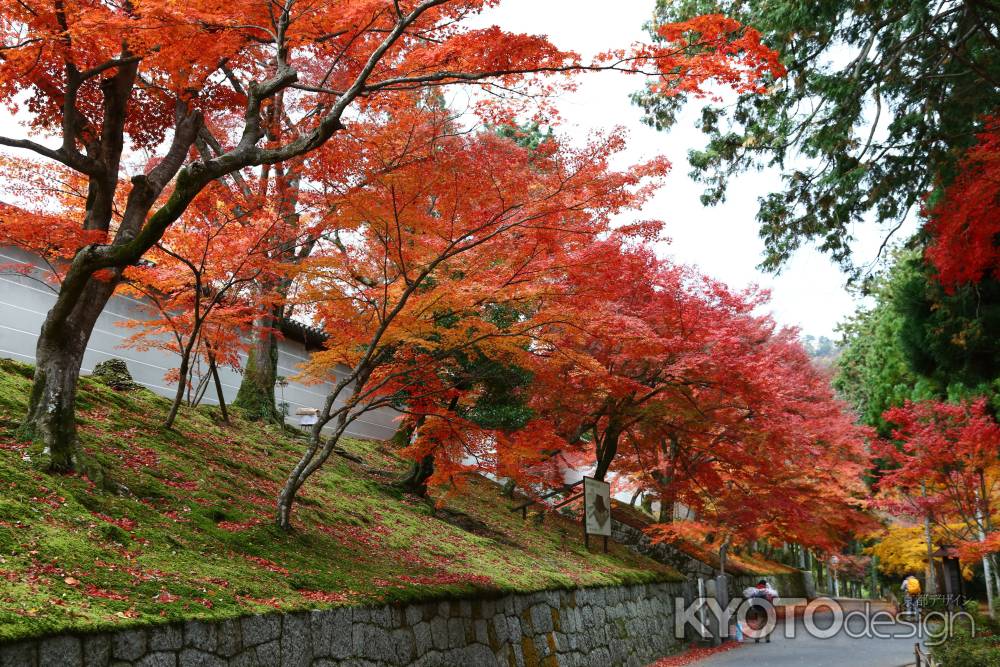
pixel 879 103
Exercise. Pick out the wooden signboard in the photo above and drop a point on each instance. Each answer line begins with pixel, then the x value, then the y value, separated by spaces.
pixel 596 509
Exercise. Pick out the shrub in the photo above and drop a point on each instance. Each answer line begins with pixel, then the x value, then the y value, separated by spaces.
pixel 965 651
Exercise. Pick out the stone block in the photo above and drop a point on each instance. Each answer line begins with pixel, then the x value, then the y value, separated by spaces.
pixel 166 637
pixel 456 633
pixel 413 614
pixel 514 629
pixel 372 643
pixel 422 638
pixel 481 632
pixel 96 651
pixel 439 633
pixel 331 633
pixel 128 644
pixel 404 644
pixel 541 618
pixel 260 629
pixel 193 657
pixel 477 655
pixel 200 635
pixel 500 629
pixel 248 658
pixel 296 641
pixel 158 659
pixel 269 654
pixel 229 639
pixel 382 617
pixel 60 652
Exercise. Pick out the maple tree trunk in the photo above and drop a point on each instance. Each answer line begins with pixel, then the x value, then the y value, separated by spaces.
pixel 256 393
pixel 218 390
pixel 182 383
pixel 607 453
pixel 420 471
pixel 667 508
pixel 51 417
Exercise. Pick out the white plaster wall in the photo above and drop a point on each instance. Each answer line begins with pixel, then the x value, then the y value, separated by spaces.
pixel 24 301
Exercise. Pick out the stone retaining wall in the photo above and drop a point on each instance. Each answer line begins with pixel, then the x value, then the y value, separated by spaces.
pixel 608 627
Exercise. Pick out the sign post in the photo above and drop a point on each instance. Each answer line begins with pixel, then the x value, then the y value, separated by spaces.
pixel 596 510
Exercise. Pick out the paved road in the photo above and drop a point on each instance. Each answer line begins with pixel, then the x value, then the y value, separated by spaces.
pixel 841 650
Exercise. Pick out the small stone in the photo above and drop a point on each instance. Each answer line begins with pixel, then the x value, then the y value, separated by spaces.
pixel 60 652
pixel 129 645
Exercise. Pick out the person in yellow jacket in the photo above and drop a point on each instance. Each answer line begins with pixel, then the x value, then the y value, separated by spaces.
pixel 911 594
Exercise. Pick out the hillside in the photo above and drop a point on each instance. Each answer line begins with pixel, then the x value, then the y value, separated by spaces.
pixel 189 533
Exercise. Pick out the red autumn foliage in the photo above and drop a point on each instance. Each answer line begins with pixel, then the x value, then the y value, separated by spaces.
pixel 942 462
pixel 965 223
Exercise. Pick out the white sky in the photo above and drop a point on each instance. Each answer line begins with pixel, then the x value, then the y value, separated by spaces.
pixel 722 240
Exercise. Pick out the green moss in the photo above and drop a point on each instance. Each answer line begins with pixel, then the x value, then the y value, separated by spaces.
pixel 188 533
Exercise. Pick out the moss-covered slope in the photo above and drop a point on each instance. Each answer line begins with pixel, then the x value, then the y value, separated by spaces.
pixel 190 533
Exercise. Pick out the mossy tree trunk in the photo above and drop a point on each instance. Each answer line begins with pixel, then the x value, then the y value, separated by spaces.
pixel 51 417
pixel 256 393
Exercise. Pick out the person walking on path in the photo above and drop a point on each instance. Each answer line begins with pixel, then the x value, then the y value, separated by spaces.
pixel 911 595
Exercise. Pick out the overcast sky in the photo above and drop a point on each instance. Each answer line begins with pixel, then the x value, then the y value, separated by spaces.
pixel 810 292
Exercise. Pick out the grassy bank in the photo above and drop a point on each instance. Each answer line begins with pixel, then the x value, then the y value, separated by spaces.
pixel 189 533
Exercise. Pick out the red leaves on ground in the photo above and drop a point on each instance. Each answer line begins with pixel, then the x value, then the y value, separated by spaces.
pixel 267 565
pixel 694 654
pixel 324 596
pixel 93 591
pixel 444 578
pixel 166 597
pixel 237 526
pixel 123 523
pixel 367 537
